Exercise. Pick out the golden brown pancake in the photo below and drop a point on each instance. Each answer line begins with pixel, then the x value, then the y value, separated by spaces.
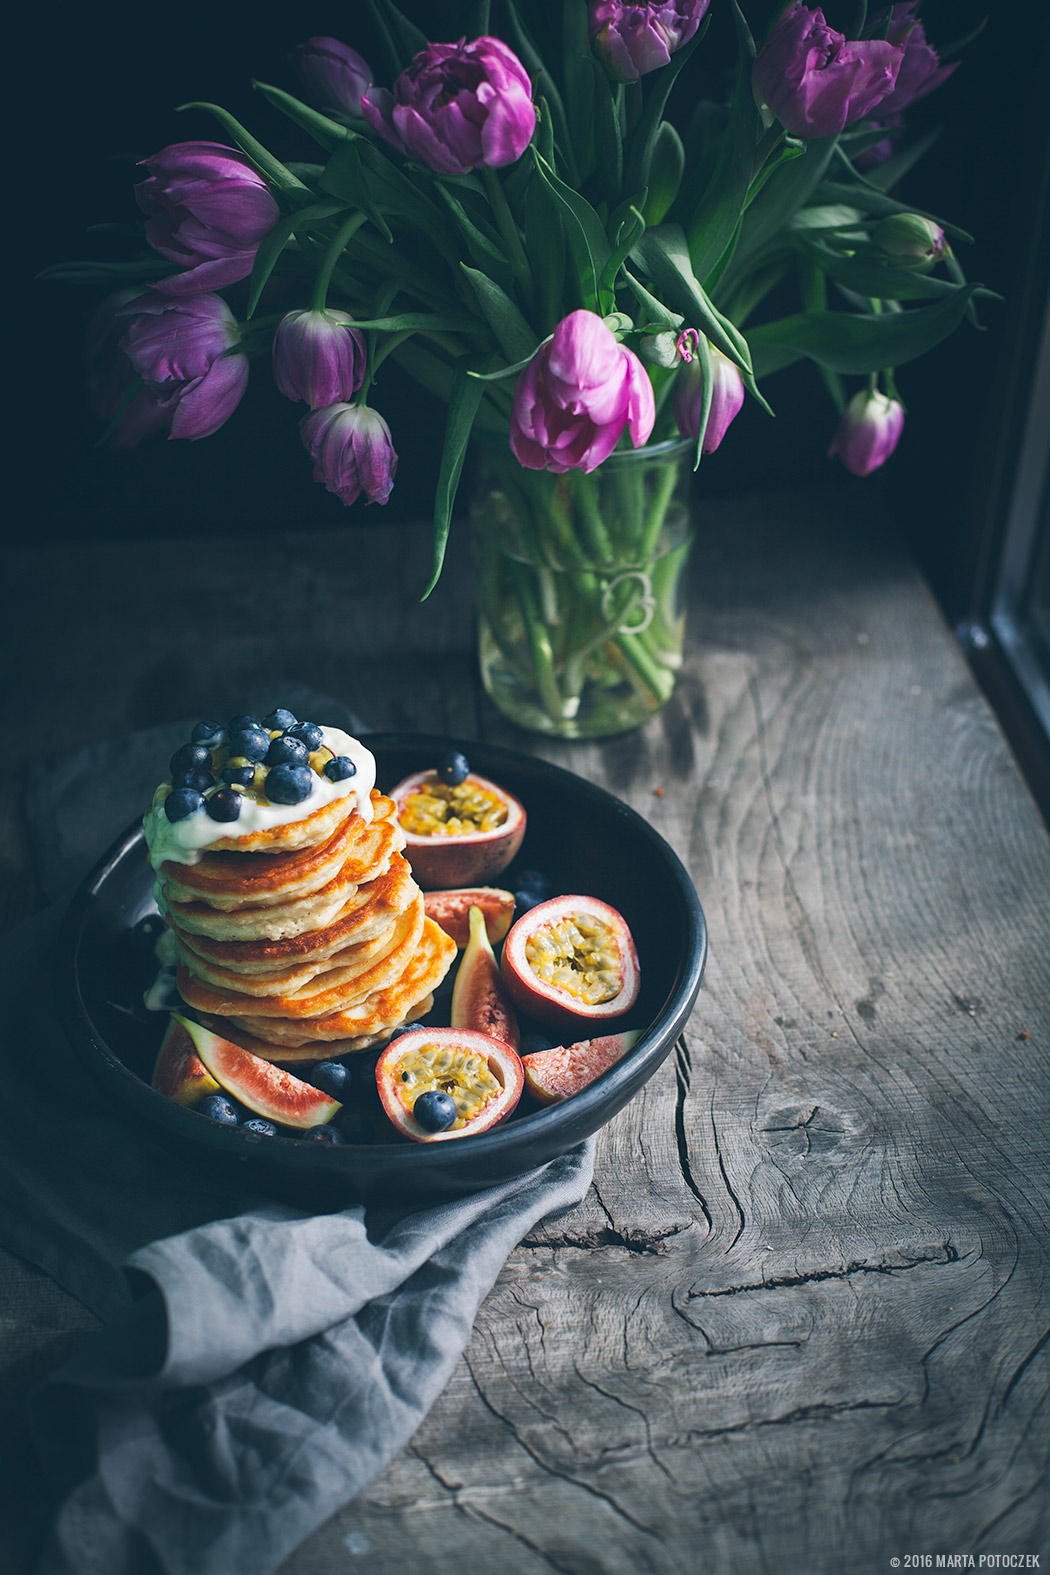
pixel 311 1050
pixel 315 827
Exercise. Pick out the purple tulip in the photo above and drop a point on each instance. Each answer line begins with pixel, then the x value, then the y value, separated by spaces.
pixel 457 106
pixel 179 349
pixel 334 75
pixel 868 433
pixel 352 451
pixel 318 357
pixel 632 40
pixel 815 81
pixel 208 210
pixel 727 396
pixel 577 396
pixel 134 412
pixel 921 70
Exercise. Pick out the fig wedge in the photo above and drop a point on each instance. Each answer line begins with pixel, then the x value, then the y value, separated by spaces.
pixel 178 1072
pixel 554 1075
pixel 479 998
pixel 266 1089
pixel 451 910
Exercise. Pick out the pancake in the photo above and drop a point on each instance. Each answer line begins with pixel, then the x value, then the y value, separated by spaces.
pixel 311 1051
pixel 372 908
pixel 376 1014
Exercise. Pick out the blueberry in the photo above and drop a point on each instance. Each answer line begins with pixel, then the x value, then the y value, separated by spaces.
pixel 289 784
pixel 210 734
pixel 261 1127
pixel 406 1028
pixel 148 931
pixel 435 1110
pixel 534 881
pixel 190 757
pixel 242 724
pixel 223 805
pixel 249 743
pixel 333 1078
pixel 243 775
pixel 201 780
pixel 354 1127
pixel 278 721
pixel 453 769
pixel 218 1108
pixel 181 802
pixel 340 769
pixel 309 733
pixel 286 751
pixel 325 1134
pixel 524 900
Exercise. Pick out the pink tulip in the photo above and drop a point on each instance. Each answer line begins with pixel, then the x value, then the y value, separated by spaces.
pixel 179 349
pixel 633 39
pixel 868 433
pixel 352 451
pixel 334 75
pixel 457 107
pixel 208 211
pixel 578 395
pixel 727 396
pixel 921 70
pixel 816 81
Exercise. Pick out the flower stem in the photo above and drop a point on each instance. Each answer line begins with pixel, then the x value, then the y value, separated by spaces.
pixel 343 235
pixel 509 231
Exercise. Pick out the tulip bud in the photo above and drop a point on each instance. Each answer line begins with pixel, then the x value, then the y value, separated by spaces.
pixel 334 75
pixel 659 350
pixel 868 433
pixel 727 396
pixel 208 210
pixel 632 40
pixel 181 350
pixel 910 240
pixel 578 395
pixel 352 451
pixel 318 357
pixel 457 107
pixel 816 81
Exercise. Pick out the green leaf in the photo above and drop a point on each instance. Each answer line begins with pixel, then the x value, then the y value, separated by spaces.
pixel 781 198
pixel 483 247
pixel 270 168
pixel 579 84
pixel 665 173
pixel 504 371
pixel 401 38
pixel 349 175
pixel 273 244
pixel 632 229
pixel 421 322
pixel 91 272
pixel 866 188
pixel 886 175
pixel 714 218
pixel 640 147
pixel 856 344
pixel 868 273
pixel 608 141
pixel 513 334
pixel 665 257
pixel 467 394
pixel 586 236
pixel 545 249
pixel 328 134
pixel 707 391
pixel 546 87
pixel 659 314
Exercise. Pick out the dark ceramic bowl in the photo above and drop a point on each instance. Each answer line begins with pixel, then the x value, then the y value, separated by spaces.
pixel 588 842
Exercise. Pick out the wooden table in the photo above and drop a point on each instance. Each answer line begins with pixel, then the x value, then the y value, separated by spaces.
pixel 801 1321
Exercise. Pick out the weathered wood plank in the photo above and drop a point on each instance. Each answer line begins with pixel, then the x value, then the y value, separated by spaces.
pixel 801 1321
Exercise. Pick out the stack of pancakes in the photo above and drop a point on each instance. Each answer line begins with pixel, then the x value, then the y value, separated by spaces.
pixel 307 940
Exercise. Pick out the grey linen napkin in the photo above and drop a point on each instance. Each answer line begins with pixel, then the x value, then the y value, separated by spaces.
pixel 259 1364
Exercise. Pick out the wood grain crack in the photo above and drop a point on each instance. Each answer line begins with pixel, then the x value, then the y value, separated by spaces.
pixel 937 1257
pixel 683 1071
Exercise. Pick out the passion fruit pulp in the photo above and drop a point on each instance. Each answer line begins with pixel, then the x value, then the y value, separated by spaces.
pixel 483 1077
pixel 569 960
pixel 458 834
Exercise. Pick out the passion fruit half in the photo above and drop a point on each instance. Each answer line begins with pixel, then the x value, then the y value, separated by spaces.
pixel 570 961
pixel 430 1067
pixel 458 834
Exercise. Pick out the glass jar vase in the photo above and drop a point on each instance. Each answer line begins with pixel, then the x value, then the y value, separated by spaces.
pixel 581 588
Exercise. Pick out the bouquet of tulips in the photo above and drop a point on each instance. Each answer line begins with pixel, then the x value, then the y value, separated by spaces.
pixel 520 223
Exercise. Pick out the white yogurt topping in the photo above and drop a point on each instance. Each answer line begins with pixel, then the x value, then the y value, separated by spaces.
pixel 182 841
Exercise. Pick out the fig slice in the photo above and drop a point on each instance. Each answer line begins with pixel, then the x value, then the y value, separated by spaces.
pixel 451 910
pixel 479 1000
pixel 266 1089
pixel 483 1077
pixel 571 960
pixel 554 1075
pixel 457 835
pixel 178 1072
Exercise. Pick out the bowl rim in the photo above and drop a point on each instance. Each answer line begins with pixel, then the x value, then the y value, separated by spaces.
pixel 556 1123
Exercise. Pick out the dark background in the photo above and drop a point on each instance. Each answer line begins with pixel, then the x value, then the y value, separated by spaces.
pixel 98 89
